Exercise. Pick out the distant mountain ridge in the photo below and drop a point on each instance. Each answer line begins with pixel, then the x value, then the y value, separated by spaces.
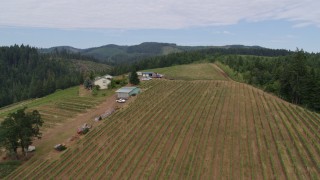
pixel 116 54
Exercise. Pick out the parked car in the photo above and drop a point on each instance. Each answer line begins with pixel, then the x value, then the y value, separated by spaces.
pixel 30 148
pixel 60 147
pixel 121 100
pixel 84 129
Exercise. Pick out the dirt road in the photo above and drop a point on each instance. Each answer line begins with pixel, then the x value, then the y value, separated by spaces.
pixel 67 132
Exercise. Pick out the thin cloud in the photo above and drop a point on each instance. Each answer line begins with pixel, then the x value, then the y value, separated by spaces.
pixel 223 32
pixel 284 39
pixel 160 14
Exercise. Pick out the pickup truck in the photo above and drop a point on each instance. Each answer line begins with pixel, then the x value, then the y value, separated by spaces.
pixel 121 100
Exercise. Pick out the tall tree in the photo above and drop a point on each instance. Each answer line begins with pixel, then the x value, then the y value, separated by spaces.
pixel 18 130
pixel 298 73
pixel 134 78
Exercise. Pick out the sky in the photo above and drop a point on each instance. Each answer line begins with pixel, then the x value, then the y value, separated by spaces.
pixel 278 24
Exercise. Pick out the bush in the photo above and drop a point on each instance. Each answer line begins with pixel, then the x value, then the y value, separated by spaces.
pixel 85 131
pixel 94 91
pixel 97 87
pixel 117 83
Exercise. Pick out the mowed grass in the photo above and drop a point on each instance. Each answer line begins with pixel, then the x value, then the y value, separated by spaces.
pixel 199 71
pixel 200 129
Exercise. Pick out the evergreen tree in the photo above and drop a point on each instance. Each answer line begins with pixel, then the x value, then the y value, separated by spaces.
pixel 88 84
pixel 134 78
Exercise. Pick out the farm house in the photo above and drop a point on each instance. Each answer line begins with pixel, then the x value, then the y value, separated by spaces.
pixel 151 74
pixel 103 81
pixel 148 74
pixel 126 92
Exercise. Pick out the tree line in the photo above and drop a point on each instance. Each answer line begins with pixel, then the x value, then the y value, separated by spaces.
pixel 67 54
pixel 295 77
pixel 191 56
pixel 25 73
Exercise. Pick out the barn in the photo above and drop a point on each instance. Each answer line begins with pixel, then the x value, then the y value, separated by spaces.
pixel 126 92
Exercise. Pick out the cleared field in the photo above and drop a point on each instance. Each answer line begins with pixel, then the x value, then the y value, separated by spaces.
pixel 203 71
pixel 193 130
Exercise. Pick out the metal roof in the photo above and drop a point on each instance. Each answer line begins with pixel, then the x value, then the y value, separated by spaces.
pixel 147 72
pixel 103 77
pixel 125 89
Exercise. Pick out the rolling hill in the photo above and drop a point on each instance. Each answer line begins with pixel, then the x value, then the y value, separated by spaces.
pixel 193 129
pixel 117 54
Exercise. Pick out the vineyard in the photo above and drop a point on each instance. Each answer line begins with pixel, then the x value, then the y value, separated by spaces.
pixel 197 71
pixel 56 113
pixel 200 129
pixel 62 112
pixel 59 106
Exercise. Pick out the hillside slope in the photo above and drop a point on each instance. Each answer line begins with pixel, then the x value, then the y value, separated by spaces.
pixel 25 73
pixel 193 130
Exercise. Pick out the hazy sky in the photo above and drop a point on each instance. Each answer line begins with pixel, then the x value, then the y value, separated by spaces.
pixel 284 24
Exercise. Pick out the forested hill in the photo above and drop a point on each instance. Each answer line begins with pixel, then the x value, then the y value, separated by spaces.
pixel 116 54
pixel 209 54
pixel 25 73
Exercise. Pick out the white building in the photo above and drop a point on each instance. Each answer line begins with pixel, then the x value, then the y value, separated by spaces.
pixel 103 81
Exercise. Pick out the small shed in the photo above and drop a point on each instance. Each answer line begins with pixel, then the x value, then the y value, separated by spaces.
pixel 126 92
